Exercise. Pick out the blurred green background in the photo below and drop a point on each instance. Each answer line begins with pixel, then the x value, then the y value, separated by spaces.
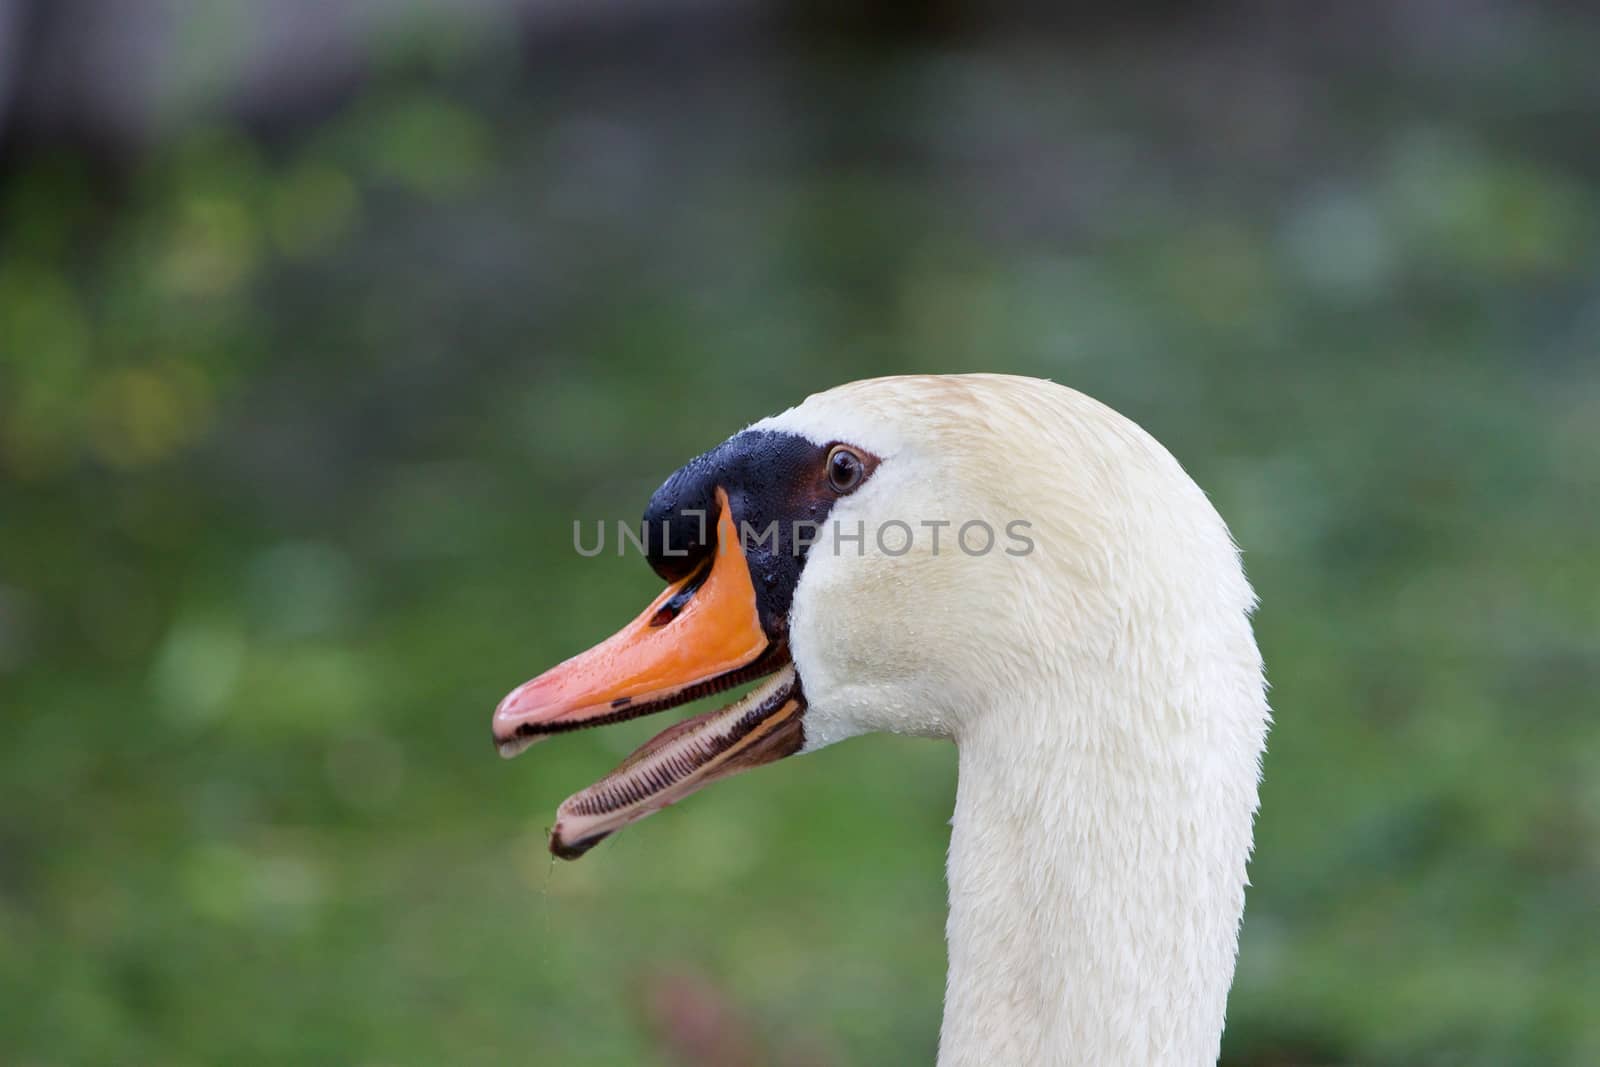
pixel 320 323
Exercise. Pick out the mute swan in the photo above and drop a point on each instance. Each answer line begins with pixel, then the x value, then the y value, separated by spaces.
pixel 1095 667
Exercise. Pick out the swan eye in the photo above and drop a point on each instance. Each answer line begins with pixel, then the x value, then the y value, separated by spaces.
pixel 845 469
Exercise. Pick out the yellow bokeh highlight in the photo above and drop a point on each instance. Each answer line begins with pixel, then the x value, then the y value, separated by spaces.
pixel 141 415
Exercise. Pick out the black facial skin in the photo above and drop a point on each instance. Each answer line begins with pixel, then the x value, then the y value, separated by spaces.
pixel 769 477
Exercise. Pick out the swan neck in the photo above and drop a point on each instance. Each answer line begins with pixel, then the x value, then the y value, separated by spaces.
pixel 1095 893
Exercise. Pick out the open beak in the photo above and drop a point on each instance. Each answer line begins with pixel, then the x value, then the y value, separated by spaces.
pixel 703 634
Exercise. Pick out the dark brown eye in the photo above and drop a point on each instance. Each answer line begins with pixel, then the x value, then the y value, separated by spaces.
pixel 845 469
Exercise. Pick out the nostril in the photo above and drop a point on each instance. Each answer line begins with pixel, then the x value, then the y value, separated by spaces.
pixel 680 600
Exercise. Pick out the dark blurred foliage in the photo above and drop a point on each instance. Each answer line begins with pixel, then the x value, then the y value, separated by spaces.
pixel 299 396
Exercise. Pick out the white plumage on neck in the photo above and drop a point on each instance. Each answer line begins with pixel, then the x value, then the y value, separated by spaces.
pixel 1104 690
pixel 1094 900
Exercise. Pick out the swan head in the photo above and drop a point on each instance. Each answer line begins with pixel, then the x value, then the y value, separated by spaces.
pixel 900 554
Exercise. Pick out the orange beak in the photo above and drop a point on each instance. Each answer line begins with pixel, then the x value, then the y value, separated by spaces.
pixel 701 635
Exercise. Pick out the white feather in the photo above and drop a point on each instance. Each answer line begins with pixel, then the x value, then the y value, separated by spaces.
pixel 1105 692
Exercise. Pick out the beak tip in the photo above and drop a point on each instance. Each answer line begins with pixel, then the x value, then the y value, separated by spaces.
pixel 512 746
pixel 523 704
pixel 508 710
pixel 563 849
